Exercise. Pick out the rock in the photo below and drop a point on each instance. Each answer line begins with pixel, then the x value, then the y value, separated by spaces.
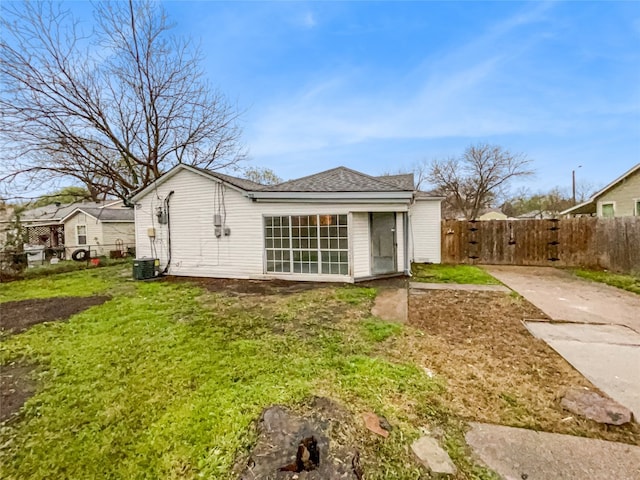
pixel 595 407
pixel 373 423
pixel 433 457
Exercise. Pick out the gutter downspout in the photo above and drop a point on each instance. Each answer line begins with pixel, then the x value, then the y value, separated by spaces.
pixel 405 225
pixel 166 207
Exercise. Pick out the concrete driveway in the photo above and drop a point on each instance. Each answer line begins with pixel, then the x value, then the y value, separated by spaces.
pixel 600 330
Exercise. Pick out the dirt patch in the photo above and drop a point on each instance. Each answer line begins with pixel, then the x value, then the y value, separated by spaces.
pixel 236 287
pixel 16 387
pixel 21 315
pixel 396 281
pixel 311 445
pixel 496 371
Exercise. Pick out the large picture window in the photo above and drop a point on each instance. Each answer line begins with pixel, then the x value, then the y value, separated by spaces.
pixel 307 244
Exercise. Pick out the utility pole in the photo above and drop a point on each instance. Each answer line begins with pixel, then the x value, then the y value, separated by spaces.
pixel 573 184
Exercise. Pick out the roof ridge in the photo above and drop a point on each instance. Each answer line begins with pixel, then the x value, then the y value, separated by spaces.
pixel 228 178
pixel 337 169
pixel 372 177
pixel 381 177
pixel 307 176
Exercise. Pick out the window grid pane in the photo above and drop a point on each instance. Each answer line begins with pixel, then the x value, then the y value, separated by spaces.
pixel 277 238
pixel 307 244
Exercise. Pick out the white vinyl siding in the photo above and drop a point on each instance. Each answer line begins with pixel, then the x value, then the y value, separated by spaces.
pixel 424 231
pixel 360 245
pixel 84 231
pixel 115 232
pixel 196 251
pixel 90 235
pixel 400 242
pixel 624 196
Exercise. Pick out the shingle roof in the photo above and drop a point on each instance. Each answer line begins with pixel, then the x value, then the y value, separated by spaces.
pixel 109 214
pixel 340 179
pixel 242 183
pixel 404 180
pixel 429 194
pixel 54 212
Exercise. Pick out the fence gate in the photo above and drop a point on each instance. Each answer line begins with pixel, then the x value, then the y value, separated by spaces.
pixel 611 243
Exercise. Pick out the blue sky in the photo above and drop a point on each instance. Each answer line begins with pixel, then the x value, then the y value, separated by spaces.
pixel 379 86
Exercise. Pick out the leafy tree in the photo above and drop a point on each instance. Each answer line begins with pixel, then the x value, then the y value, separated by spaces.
pixel 64 195
pixel 476 179
pixel 112 110
pixel 538 204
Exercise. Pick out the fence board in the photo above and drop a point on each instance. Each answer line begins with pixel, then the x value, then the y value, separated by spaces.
pixel 589 242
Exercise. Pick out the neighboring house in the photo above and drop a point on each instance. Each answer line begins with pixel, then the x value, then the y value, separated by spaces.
pixel 492 214
pixel 538 214
pixel 6 228
pixel 621 198
pixel 337 225
pixel 47 226
pixel 100 230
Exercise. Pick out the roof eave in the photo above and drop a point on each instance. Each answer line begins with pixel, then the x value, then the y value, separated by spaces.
pixel 601 192
pixel 575 208
pixel 430 198
pixel 385 197
pixel 75 211
pixel 166 176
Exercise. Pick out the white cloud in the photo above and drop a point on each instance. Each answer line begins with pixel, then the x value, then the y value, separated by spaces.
pixel 307 20
pixel 451 94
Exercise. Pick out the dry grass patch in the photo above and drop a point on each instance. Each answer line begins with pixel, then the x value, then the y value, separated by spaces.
pixel 495 370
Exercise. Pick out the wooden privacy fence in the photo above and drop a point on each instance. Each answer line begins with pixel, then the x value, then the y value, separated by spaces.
pixel 589 242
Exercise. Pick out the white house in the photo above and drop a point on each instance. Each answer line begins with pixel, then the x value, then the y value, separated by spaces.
pixel 338 225
pixel 99 230
pixel 61 229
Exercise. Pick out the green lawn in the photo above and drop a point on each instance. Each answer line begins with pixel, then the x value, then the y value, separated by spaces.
pixel 441 273
pixel 165 379
pixel 630 283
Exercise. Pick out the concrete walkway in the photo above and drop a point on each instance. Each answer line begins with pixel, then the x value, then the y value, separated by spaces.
pixel 517 453
pixel 563 296
pixel 608 355
pixel 601 333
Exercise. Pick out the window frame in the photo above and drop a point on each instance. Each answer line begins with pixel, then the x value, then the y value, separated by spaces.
pixel 636 207
pixel 601 206
pixel 78 234
pixel 317 244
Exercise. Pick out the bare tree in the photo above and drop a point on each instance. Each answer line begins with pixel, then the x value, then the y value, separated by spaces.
pixel 477 178
pixel 418 170
pixel 261 175
pixel 112 110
